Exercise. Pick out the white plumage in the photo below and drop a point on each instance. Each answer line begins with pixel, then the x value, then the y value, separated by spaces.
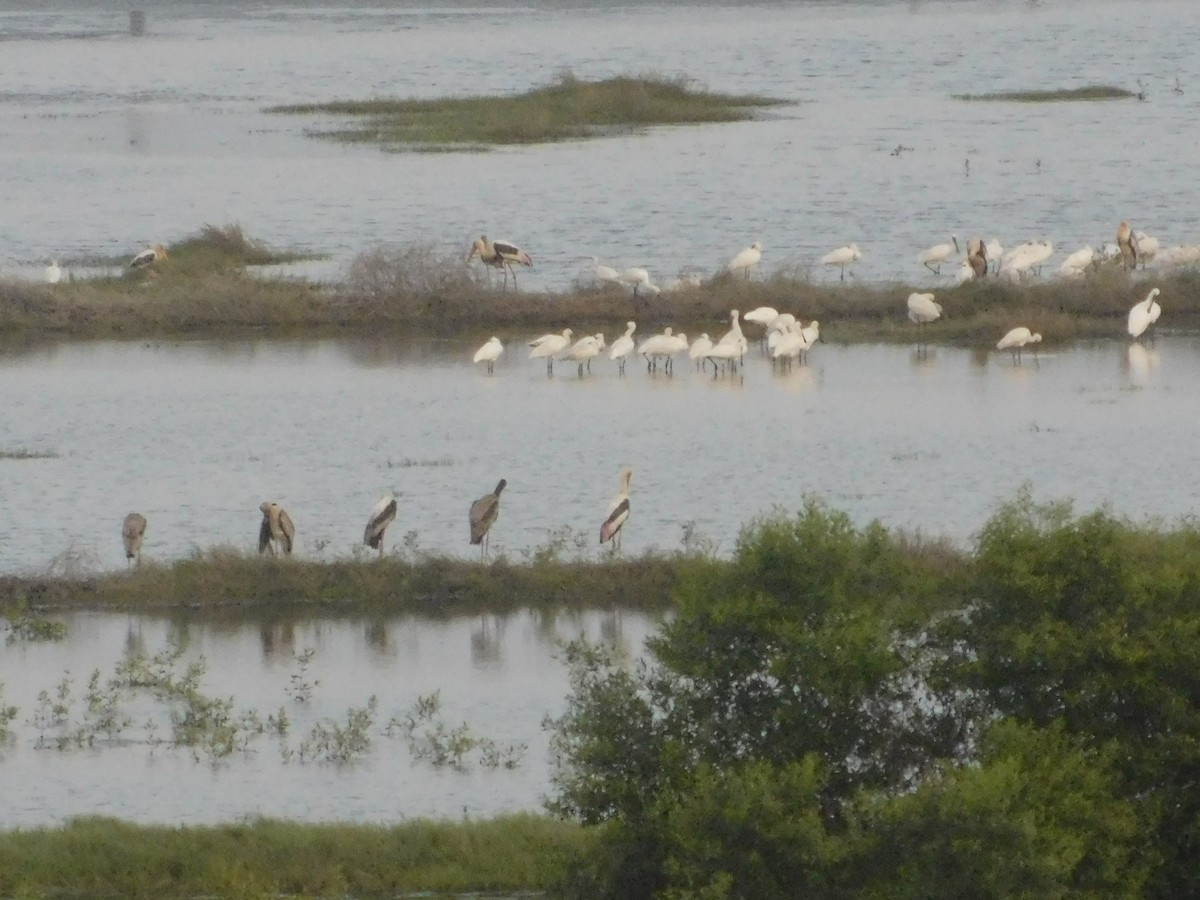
pixel 1016 340
pixel 933 257
pixel 1077 263
pixel 745 260
pixel 922 309
pixel 618 514
pixel 583 351
pixel 489 353
pixel 549 346
pixel 53 272
pixel 1143 315
pixel 842 257
pixel 623 346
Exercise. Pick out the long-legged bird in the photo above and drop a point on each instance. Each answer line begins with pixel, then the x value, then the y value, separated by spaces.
pixel 133 530
pixel 381 517
pixel 482 516
pixel 276 528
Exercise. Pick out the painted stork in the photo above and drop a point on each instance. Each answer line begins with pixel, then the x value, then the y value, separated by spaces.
pixel 133 530
pixel 618 513
pixel 276 528
pixel 489 353
pixel 977 257
pixel 500 255
pixel 1128 242
pixel 381 517
pixel 483 515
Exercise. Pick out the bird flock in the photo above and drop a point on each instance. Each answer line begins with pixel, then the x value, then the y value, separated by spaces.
pixel 277 533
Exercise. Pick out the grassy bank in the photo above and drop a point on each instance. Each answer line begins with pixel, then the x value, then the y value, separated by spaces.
pixel 226 578
pixel 1061 95
pixel 203 289
pixel 566 109
pixel 98 857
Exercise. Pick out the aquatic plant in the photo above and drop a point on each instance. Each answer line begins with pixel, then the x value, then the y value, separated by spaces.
pixel 431 739
pixel 337 742
pixel 300 687
pixel 568 108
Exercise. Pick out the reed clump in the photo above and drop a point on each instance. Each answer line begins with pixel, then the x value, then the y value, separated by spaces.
pixel 1059 95
pixel 568 108
pixel 107 857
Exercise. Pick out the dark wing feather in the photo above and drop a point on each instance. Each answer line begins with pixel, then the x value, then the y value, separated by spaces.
pixel 264 533
pixel 615 520
pixel 378 525
pixel 483 513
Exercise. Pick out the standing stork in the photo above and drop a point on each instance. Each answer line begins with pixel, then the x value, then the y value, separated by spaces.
pixel 500 255
pixel 482 516
pixel 1128 243
pixel 381 517
pixel 977 257
pixel 618 512
pixel 276 528
pixel 149 256
pixel 133 530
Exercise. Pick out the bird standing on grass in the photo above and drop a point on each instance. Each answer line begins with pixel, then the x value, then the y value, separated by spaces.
pixel 618 513
pixel 922 309
pixel 133 530
pixel 500 255
pixel 842 257
pixel 482 516
pixel 489 353
pixel 53 272
pixel 276 528
pixel 381 517
pixel 1128 243
pixel 746 260
pixel 933 257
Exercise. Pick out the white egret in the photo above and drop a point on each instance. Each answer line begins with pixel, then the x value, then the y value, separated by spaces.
pixel 549 346
pixel 500 255
pixel 623 346
pixel 1016 340
pixel 842 257
pixel 276 529
pixel 745 260
pixel 933 257
pixel 618 514
pixel 381 517
pixel 1143 315
pixel 489 353
pixel 483 515
pixel 133 530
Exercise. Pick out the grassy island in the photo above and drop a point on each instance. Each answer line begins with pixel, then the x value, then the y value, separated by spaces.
pixel 205 289
pixel 1060 95
pixel 566 109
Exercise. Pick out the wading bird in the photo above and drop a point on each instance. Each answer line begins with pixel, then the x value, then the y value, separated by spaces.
pixel 381 517
pixel 584 351
pixel 618 513
pixel 1128 243
pixel 489 353
pixel 842 257
pixel 1143 315
pixel 604 274
pixel 933 257
pixel 700 349
pixel 148 256
pixel 276 528
pixel 500 255
pixel 1016 340
pixel 133 530
pixel 483 515
pixel 1147 247
pixel 995 253
pixel 638 279
pixel 977 257
pixel 746 260
pixel 53 272
pixel 1077 263
pixel 922 310
pixel 623 346
pixel 549 346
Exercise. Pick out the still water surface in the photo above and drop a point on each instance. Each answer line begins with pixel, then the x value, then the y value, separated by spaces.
pixel 498 675
pixel 108 142
pixel 196 435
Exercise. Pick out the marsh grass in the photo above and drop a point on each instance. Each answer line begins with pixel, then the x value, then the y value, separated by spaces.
pixel 568 108
pixel 25 453
pixel 224 578
pixel 1091 92
pixel 106 857
pixel 401 289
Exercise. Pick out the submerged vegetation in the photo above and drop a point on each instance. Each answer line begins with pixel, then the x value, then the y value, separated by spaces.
pixel 1091 92
pixel 835 711
pixel 203 288
pixel 567 109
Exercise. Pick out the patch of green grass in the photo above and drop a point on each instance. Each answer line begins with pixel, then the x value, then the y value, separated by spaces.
pixel 566 109
pixel 1091 92
pixel 109 858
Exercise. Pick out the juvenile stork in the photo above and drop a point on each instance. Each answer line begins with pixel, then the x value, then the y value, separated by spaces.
pixel 149 256
pixel 977 257
pixel 618 513
pixel 381 517
pixel 482 516
pixel 500 255
pixel 1128 243
pixel 276 528
pixel 133 530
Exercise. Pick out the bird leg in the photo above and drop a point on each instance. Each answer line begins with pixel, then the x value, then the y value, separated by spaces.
pixel 937 271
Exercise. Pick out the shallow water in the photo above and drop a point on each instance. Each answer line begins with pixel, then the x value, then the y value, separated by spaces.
pixel 498 675
pixel 108 142
pixel 195 435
